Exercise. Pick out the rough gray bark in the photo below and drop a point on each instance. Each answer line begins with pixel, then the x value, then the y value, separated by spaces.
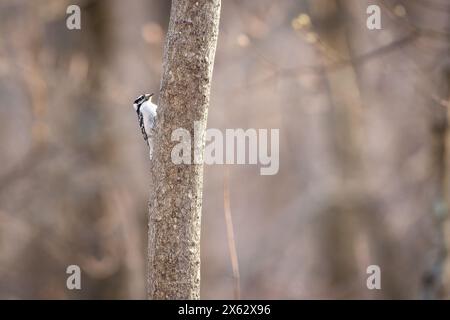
pixel 176 195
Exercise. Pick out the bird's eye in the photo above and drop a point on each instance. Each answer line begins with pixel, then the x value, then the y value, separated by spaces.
pixel 139 99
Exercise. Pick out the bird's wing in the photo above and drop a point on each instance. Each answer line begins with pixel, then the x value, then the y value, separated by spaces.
pixel 141 125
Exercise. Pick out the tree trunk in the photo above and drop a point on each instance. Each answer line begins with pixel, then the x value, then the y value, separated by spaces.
pixel 176 195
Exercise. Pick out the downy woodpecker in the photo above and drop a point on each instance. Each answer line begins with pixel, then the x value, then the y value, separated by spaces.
pixel 146 112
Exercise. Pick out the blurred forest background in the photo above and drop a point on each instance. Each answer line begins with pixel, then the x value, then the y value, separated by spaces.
pixel 364 148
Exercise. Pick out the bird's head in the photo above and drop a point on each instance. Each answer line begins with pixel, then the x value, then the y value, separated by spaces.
pixel 141 99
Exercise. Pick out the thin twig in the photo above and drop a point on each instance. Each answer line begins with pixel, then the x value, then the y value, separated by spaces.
pixel 320 68
pixel 230 234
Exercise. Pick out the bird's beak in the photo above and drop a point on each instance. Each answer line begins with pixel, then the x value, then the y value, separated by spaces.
pixel 148 96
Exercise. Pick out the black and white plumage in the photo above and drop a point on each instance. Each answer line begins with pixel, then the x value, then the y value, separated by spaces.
pixel 146 112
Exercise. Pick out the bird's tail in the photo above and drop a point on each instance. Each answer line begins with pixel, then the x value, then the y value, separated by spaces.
pixel 150 150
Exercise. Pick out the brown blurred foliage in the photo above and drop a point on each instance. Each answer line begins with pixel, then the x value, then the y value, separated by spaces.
pixel 364 141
